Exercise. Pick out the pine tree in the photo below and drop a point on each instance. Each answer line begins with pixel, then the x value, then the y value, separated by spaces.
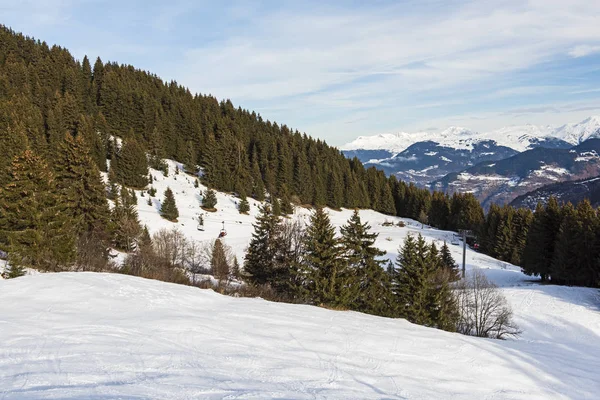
pixel 235 268
pixel 244 206
pixel 218 261
pixel 79 185
pixel 260 266
pixel 13 271
pixel 131 165
pixel 448 264
pixel 34 227
pixel 168 209
pixel 209 200
pixel 413 282
pixel 368 284
pixel 125 224
pixel 565 253
pixel 323 264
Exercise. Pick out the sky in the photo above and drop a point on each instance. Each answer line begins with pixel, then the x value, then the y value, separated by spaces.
pixel 340 69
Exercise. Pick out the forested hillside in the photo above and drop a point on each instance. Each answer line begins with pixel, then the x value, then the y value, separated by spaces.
pixel 61 119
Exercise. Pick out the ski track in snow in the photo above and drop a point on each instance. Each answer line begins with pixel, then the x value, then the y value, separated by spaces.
pixel 108 336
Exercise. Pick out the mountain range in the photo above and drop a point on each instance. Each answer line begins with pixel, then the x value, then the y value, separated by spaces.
pixel 497 166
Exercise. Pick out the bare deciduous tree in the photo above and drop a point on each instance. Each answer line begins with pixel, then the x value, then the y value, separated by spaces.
pixel 170 245
pixel 484 311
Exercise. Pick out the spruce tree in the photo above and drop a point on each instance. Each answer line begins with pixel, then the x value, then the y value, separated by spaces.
pixel 564 266
pixel 209 199
pixel 448 263
pixel 244 206
pixel 413 282
pixel 168 208
pixel 218 261
pixel 125 224
pixel 34 227
pixel 328 281
pixel 79 185
pixel 131 166
pixel 260 265
pixel 369 285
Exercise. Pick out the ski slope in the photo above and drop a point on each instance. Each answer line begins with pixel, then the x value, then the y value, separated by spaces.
pixel 107 336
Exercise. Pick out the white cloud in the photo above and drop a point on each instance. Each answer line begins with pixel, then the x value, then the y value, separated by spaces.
pixel 584 50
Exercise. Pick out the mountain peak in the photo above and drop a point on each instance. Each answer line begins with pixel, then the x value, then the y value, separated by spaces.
pixel 517 137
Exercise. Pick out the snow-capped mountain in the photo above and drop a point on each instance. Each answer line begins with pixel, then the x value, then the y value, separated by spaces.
pixel 423 157
pixel 502 181
pixel 519 138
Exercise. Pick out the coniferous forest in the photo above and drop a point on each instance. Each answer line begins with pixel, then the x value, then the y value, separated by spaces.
pixel 61 119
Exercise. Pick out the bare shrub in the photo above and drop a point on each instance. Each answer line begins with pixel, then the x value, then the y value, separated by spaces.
pixel 484 311
pixel 170 245
pixel 197 258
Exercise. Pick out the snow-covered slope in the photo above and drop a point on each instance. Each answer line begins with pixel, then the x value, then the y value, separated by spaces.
pixel 100 336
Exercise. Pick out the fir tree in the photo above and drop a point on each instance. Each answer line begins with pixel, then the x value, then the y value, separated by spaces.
pixel 80 186
pixel 34 227
pixel 168 209
pixel 413 282
pixel 244 206
pixel 448 263
pixel 131 165
pixel 218 261
pixel 369 285
pixel 260 266
pixel 209 199
pixel 327 280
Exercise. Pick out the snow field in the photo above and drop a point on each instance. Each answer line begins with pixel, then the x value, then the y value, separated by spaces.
pixel 105 336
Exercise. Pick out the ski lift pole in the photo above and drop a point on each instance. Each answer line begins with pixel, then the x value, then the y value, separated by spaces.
pixel 464 267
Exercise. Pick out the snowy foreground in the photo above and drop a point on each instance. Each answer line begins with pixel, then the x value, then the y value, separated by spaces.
pixel 107 336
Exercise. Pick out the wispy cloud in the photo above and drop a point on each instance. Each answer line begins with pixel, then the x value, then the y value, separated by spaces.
pixel 317 65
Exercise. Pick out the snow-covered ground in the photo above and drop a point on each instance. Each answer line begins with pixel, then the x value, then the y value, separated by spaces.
pixel 107 336
pixel 101 336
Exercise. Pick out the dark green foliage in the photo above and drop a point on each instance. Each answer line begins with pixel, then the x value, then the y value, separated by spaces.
pixel 421 286
pixel 244 206
pixel 130 165
pixel 218 261
pixel 260 262
pixel 209 199
pixel 328 281
pixel 125 224
pixel 80 186
pixel 168 208
pixel 13 271
pixel 448 263
pixel 368 285
pixel 35 228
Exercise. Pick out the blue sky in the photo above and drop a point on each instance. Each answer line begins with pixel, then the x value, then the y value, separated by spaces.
pixel 340 69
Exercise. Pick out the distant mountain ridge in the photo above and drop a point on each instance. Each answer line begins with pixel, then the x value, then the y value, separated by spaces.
pixel 427 157
pixel 571 191
pixel 504 180
pixel 519 138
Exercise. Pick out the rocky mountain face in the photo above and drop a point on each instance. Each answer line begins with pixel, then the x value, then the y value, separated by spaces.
pixel 459 159
pixel 573 191
pixel 503 181
pixel 425 162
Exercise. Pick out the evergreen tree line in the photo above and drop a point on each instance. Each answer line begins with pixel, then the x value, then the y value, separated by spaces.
pixel 313 265
pixel 45 93
pixel 559 243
